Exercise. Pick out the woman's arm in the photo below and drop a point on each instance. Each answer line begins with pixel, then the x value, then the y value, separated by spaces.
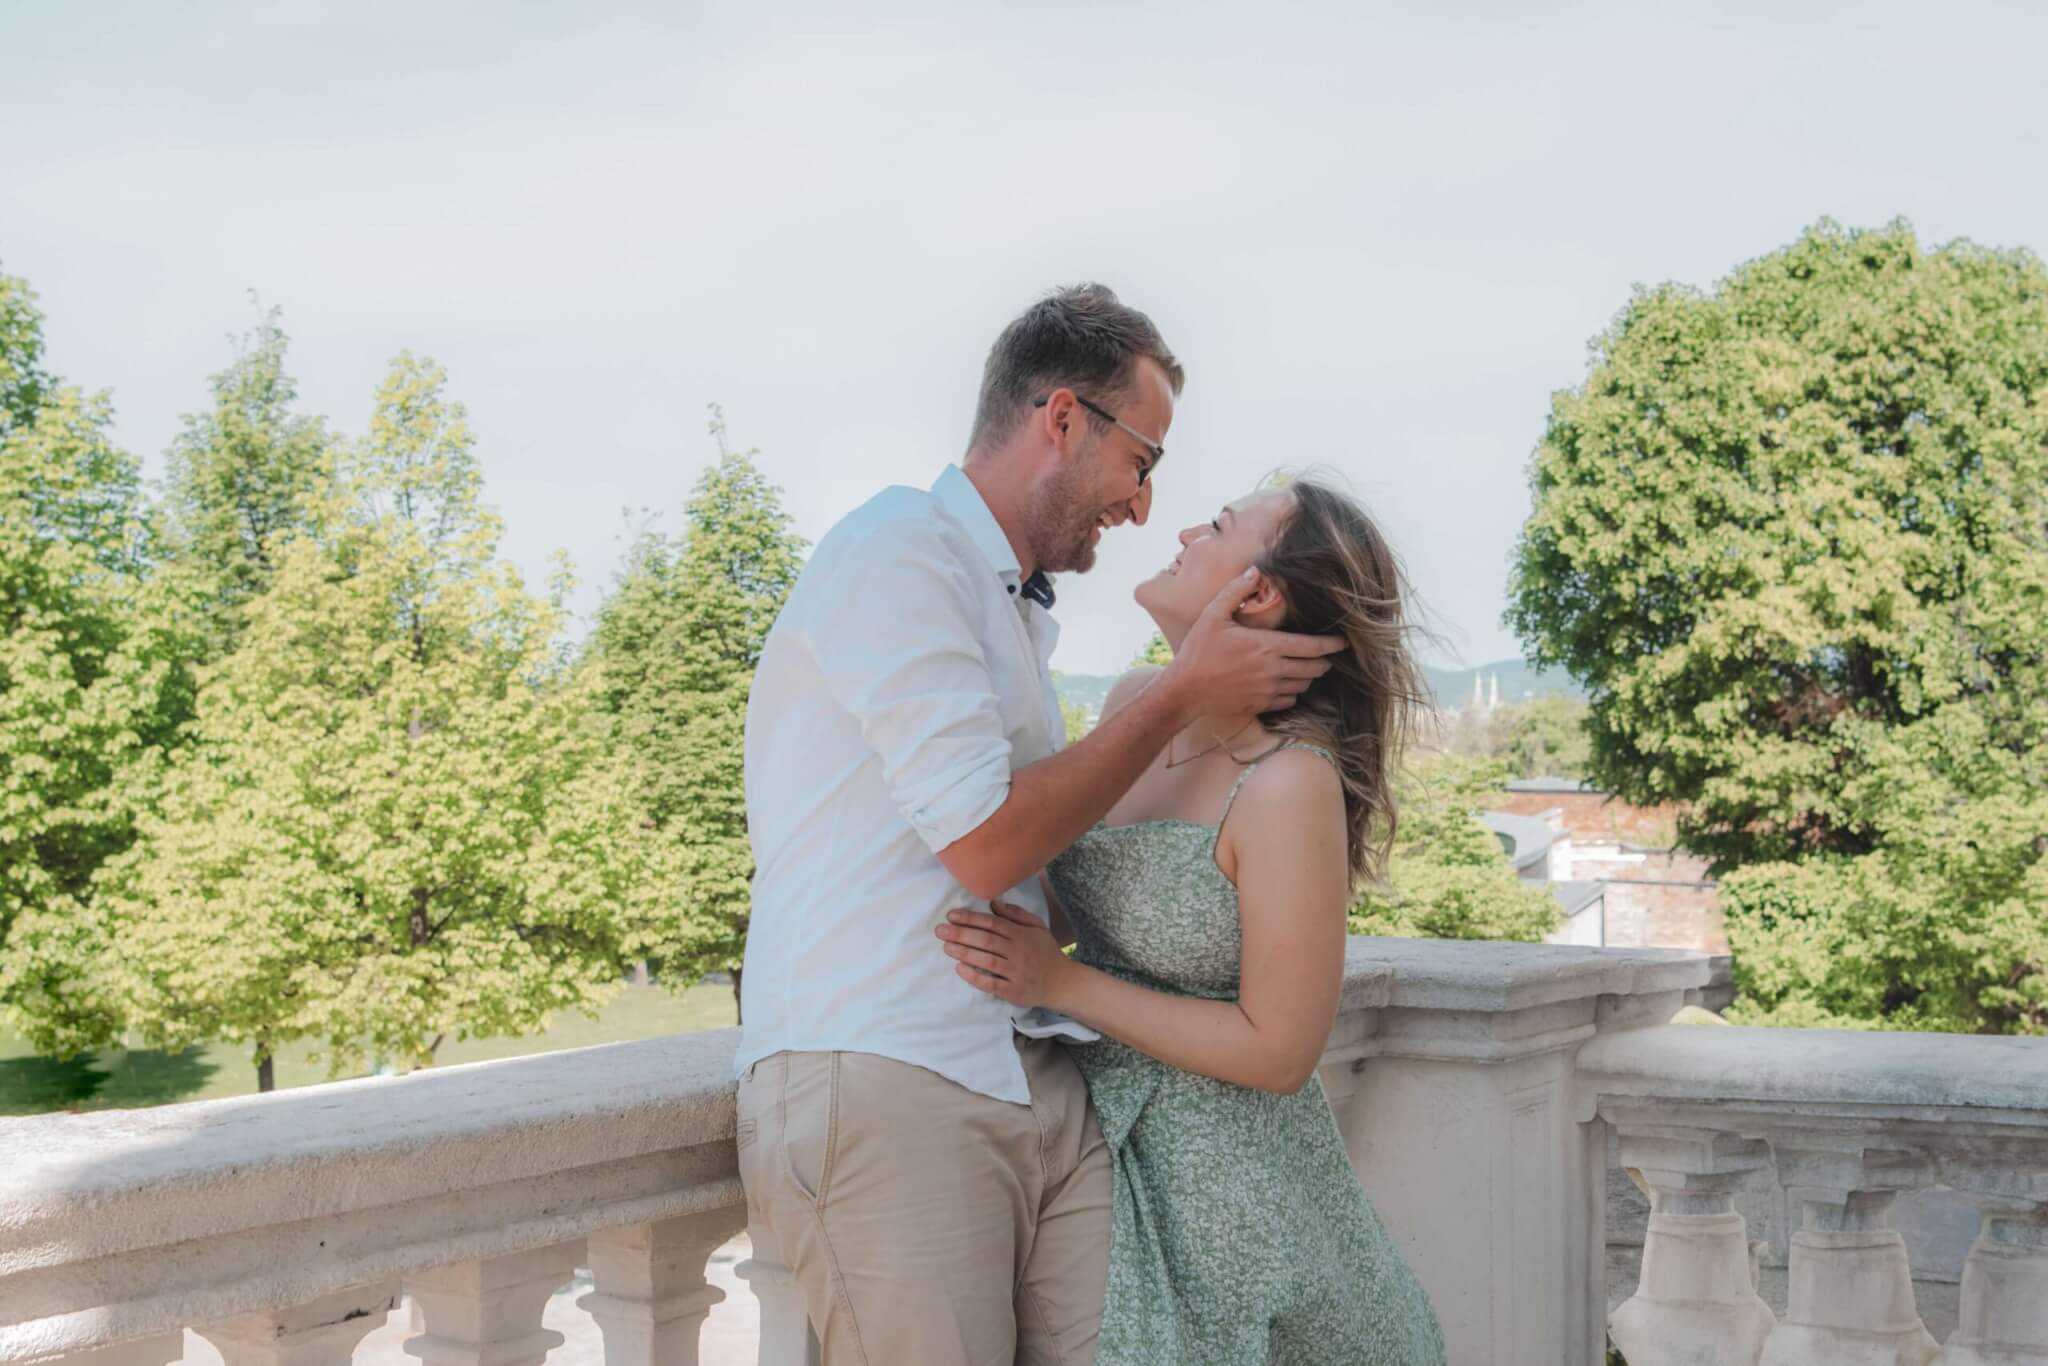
pixel 1287 836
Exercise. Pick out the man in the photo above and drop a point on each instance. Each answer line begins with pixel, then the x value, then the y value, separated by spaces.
pixel 922 1154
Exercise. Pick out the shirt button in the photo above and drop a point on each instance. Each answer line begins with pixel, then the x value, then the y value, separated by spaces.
pixel 1013 589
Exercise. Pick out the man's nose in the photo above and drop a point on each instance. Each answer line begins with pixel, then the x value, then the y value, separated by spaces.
pixel 1141 503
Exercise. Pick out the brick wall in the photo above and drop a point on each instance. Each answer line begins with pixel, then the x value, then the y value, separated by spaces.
pixel 1656 896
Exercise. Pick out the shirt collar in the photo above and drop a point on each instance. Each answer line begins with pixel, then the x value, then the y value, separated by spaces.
pixel 964 503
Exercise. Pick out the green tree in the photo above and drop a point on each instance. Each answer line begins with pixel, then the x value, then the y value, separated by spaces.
pixel 396 822
pixel 1792 535
pixel 244 477
pixel 1155 651
pixel 674 654
pixel 1544 737
pixel 90 688
pixel 1076 718
pixel 23 381
pixel 1448 877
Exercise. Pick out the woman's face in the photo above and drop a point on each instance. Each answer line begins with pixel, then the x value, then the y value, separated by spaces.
pixel 1212 553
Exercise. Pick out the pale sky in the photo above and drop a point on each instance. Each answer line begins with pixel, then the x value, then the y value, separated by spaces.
pixel 1377 236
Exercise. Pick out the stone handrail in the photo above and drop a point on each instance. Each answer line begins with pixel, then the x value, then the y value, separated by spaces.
pixel 1843 1123
pixel 121 1228
pixel 283 1228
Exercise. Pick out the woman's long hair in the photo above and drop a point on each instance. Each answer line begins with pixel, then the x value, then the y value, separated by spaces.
pixel 1340 578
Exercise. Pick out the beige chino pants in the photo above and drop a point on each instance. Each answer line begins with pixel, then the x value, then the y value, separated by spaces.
pixel 928 1225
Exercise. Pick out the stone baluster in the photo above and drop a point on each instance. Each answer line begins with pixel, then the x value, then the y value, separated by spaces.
pixel 1696 1302
pixel 1850 1298
pixel 488 1312
pixel 651 1298
pixel 2004 1315
pixel 786 1336
pixel 322 1332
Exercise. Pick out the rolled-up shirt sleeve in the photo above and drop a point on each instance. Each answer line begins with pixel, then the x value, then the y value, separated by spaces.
pixel 894 630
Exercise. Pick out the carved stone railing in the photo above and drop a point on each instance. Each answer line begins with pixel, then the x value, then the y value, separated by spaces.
pixel 1476 1086
pixel 1843 1123
pixel 284 1228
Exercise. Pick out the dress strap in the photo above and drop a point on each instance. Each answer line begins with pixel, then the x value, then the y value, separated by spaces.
pixel 1235 787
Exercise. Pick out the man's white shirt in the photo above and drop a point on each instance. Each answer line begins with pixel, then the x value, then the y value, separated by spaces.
pixel 906 678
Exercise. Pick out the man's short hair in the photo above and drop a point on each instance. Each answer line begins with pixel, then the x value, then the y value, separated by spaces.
pixel 1078 338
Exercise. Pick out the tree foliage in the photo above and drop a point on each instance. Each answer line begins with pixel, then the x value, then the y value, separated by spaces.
pixel 1449 878
pixel 244 477
pixel 1792 535
pixel 397 820
pixel 1544 737
pixel 673 657
pixel 90 685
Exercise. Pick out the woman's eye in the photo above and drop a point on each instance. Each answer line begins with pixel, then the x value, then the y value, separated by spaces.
pixel 1215 526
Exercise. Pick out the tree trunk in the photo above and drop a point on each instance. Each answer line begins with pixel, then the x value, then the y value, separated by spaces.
pixel 266 1069
pixel 737 1017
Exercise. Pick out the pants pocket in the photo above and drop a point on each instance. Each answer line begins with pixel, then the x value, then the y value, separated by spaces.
pixel 810 1123
pixel 756 1101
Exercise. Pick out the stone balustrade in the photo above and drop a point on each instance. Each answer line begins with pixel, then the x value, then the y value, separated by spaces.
pixel 1844 1123
pixel 1476 1086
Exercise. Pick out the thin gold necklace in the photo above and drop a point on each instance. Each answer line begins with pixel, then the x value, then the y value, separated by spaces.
pixel 1172 762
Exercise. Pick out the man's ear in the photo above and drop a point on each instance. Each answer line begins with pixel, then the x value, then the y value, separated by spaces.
pixel 1060 414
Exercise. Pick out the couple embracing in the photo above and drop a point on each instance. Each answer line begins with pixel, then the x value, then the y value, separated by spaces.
pixel 970 1145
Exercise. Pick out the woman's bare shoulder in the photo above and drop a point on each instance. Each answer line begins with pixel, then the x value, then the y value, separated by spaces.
pixel 1129 686
pixel 1290 786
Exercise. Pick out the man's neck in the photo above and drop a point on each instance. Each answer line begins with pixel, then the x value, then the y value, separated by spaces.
pixel 1006 503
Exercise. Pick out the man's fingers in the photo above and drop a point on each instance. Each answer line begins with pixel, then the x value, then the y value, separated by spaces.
pixel 1307 647
pixel 1233 594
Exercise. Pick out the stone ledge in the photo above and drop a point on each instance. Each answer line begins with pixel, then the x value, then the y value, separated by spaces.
pixel 1822 1068
pixel 177 1172
pixel 1439 974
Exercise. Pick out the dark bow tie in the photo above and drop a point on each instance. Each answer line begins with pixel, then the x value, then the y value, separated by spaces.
pixel 1038 588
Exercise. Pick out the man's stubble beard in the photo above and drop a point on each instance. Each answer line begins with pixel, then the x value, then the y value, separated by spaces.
pixel 1065 521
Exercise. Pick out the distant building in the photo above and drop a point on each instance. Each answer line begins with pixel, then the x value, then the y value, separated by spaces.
pixel 1485 693
pixel 1574 838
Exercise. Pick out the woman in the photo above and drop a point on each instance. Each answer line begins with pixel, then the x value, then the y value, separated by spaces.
pixel 1208 914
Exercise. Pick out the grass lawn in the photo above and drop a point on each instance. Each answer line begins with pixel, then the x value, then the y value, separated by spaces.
pixel 123 1079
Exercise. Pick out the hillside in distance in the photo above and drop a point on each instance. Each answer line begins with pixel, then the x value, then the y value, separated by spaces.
pixel 1519 682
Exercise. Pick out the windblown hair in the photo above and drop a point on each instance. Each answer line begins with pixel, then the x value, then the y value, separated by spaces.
pixel 1339 577
pixel 1081 338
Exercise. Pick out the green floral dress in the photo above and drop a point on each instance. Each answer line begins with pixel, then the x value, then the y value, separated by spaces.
pixel 1239 1234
